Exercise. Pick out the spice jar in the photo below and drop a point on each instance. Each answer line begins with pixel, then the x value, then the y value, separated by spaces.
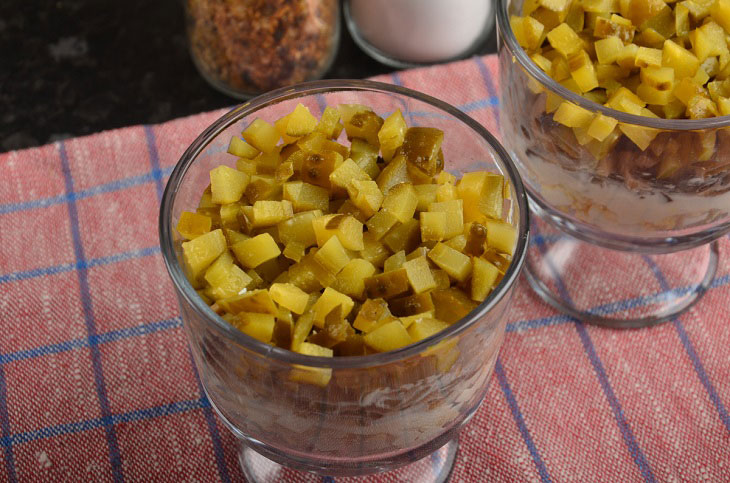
pixel 408 33
pixel 247 47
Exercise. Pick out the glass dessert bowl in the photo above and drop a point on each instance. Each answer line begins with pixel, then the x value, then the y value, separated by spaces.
pixel 345 416
pixel 626 196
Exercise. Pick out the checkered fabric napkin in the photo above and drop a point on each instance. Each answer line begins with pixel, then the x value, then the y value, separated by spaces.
pixel 97 383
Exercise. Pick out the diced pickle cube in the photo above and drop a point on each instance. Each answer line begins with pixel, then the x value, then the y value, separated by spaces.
pixel 258 326
pixel 281 125
pixel 484 275
pixel 299 228
pixel 332 256
pixel 451 304
pixel 433 225
pixel 411 304
pixel 366 196
pixel 329 123
pixel 421 148
pixel 304 196
pixel 482 194
pixel 528 31
pixel 261 135
pixel 684 62
pixel 345 227
pixel 720 11
pixel 394 173
pixel 258 301
pixel 392 134
pixel 395 261
pixel 301 122
pixel 257 250
pixel 351 279
pixel 426 194
pixel 349 208
pixel 192 225
pixel 289 296
pixel 425 327
pixel 646 57
pixel 582 71
pixel 225 279
pixel 446 192
pixel 375 251
pixel 200 252
pixel 660 78
pixel 458 243
pixel 405 236
pixel 345 173
pixel 268 213
pixel 318 376
pixel 388 284
pixel 380 224
pixel 408 320
pixel 401 201
pixel 294 250
pixel 601 127
pixel 456 264
pixel 654 96
pixel 419 275
pixel 388 337
pixel 371 314
pixel 454 210
pixel 330 299
pixel 316 168
pixel 571 115
pixel 239 147
pixel 361 122
pixel 227 184
pixel 501 236
pixel 366 156
pixel 564 40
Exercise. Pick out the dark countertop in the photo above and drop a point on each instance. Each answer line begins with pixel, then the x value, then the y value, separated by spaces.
pixel 74 67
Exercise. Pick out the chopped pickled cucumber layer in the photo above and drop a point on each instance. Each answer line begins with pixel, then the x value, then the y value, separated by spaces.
pixel 653 58
pixel 332 248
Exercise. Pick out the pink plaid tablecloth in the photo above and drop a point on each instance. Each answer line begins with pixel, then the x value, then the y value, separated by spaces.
pixel 97 383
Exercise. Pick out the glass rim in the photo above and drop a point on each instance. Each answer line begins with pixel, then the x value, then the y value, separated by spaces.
pixel 506 34
pixel 185 289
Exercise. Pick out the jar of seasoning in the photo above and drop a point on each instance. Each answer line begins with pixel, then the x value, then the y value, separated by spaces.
pixel 247 47
pixel 409 33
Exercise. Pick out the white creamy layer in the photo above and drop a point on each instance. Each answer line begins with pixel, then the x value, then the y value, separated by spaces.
pixel 613 207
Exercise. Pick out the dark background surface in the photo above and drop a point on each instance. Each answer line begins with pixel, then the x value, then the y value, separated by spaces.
pixel 74 67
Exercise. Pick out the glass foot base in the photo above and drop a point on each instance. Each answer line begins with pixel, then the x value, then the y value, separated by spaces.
pixel 434 468
pixel 616 289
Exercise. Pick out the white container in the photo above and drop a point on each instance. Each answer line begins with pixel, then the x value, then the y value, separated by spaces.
pixel 404 33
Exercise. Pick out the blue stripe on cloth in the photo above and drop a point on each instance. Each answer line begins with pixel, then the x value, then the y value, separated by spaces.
pixel 691 352
pixel 67 267
pixel 590 350
pixel 111 436
pixel 491 90
pixel 110 187
pixel 5 428
pixel 154 160
pixel 215 435
pixel 395 77
pixel 89 424
pixel 520 420
pixel 99 339
pixel 207 411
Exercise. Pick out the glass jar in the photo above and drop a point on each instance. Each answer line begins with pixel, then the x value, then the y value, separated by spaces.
pixel 411 33
pixel 246 47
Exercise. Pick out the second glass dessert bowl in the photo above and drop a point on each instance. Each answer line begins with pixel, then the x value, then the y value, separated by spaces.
pixel 356 415
pixel 635 215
